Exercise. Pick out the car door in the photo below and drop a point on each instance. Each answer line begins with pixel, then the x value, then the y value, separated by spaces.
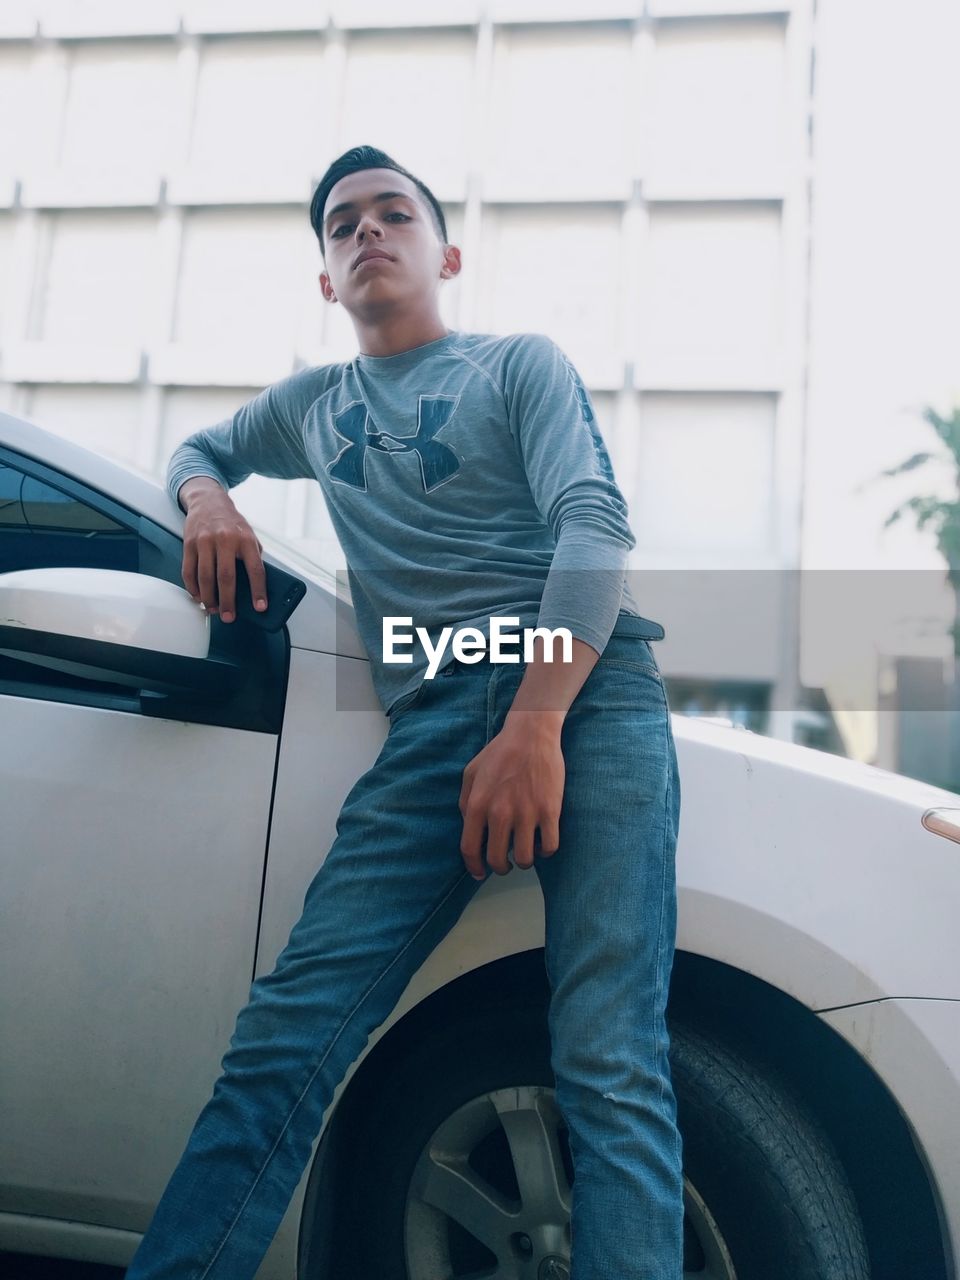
pixel 133 827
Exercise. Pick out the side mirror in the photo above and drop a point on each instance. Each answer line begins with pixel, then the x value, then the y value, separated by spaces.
pixel 108 624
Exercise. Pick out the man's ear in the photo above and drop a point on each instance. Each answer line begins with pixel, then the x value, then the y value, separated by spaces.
pixel 326 287
pixel 451 262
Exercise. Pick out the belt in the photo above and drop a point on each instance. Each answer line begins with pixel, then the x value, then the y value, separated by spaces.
pixel 631 624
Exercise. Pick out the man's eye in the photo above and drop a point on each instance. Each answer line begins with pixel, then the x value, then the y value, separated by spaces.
pixel 345 226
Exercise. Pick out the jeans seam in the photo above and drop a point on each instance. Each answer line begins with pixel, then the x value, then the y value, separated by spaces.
pixel 293 1110
pixel 491 703
pixel 665 1066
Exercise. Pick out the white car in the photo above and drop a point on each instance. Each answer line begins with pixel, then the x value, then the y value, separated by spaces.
pixel 169 785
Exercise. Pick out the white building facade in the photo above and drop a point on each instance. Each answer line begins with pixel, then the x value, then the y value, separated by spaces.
pixel 633 179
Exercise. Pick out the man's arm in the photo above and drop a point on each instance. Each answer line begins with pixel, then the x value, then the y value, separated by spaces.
pixel 515 784
pixel 572 482
pixel 264 437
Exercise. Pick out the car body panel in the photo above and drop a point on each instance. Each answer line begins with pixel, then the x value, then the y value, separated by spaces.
pixel 800 867
pixel 133 864
pixel 323 751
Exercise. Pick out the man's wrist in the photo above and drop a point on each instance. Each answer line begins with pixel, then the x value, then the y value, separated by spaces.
pixel 548 689
pixel 197 488
pixel 535 721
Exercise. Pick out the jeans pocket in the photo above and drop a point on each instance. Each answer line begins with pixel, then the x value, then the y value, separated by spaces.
pixel 404 704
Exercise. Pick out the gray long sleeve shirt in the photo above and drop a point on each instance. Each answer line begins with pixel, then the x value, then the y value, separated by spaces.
pixel 465 478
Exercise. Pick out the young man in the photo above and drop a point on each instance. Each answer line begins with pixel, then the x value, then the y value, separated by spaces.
pixel 467 480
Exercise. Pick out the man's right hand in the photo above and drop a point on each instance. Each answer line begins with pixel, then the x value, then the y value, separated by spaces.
pixel 215 536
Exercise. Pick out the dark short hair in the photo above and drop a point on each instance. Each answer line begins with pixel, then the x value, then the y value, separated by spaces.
pixel 353 161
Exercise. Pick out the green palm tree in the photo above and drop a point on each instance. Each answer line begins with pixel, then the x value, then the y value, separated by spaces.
pixel 930 510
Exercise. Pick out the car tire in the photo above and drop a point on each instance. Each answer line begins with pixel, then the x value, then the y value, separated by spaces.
pixel 763 1167
pixel 764 1192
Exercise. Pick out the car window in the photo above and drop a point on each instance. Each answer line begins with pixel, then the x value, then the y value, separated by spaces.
pixel 42 526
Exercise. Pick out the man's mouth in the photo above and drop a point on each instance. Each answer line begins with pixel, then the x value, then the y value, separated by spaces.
pixel 374 257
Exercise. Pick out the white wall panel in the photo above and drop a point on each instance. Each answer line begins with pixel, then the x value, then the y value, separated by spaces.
pixel 711 301
pixel 705 475
pixel 245 277
pixel 105 419
pixel 413 13
pixel 410 95
pixel 6 269
pixel 718 103
pixel 252 15
pixel 121 113
pixel 18 19
pixel 29 107
pixel 263 108
pixel 701 8
pixel 101 278
pixel 558 121
pixel 554 271
pixel 59 18
pixel 556 10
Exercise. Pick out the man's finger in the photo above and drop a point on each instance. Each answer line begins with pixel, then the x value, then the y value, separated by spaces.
pixel 523 835
pixel 462 803
pixel 206 572
pixel 465 789
pixel 255 572
pixel 550 835
pixel 499 829
pixel 188 569
pixel 226 584
pixel 471 841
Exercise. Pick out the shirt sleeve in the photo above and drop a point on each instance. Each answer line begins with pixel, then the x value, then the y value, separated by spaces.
pixel 264 437
pixel 572 482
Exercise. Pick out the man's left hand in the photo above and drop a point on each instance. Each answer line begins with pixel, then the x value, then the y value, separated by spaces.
pixel 513 786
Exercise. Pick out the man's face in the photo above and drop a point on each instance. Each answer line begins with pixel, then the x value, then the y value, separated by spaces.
pixel 400 226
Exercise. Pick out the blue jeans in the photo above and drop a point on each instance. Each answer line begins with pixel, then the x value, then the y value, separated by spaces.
pixel 392 886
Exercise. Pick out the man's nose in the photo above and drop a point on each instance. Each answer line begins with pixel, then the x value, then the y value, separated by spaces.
pixel 367 226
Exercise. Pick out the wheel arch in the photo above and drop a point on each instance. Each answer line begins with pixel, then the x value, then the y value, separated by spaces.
pixel 896 1201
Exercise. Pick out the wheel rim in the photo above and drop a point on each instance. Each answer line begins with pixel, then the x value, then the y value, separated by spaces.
pixel 490 1197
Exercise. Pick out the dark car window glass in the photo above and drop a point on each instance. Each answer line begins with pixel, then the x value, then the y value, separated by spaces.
pixel 43 527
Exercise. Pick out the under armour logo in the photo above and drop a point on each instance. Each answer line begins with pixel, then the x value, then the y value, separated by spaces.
pixel 438 462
